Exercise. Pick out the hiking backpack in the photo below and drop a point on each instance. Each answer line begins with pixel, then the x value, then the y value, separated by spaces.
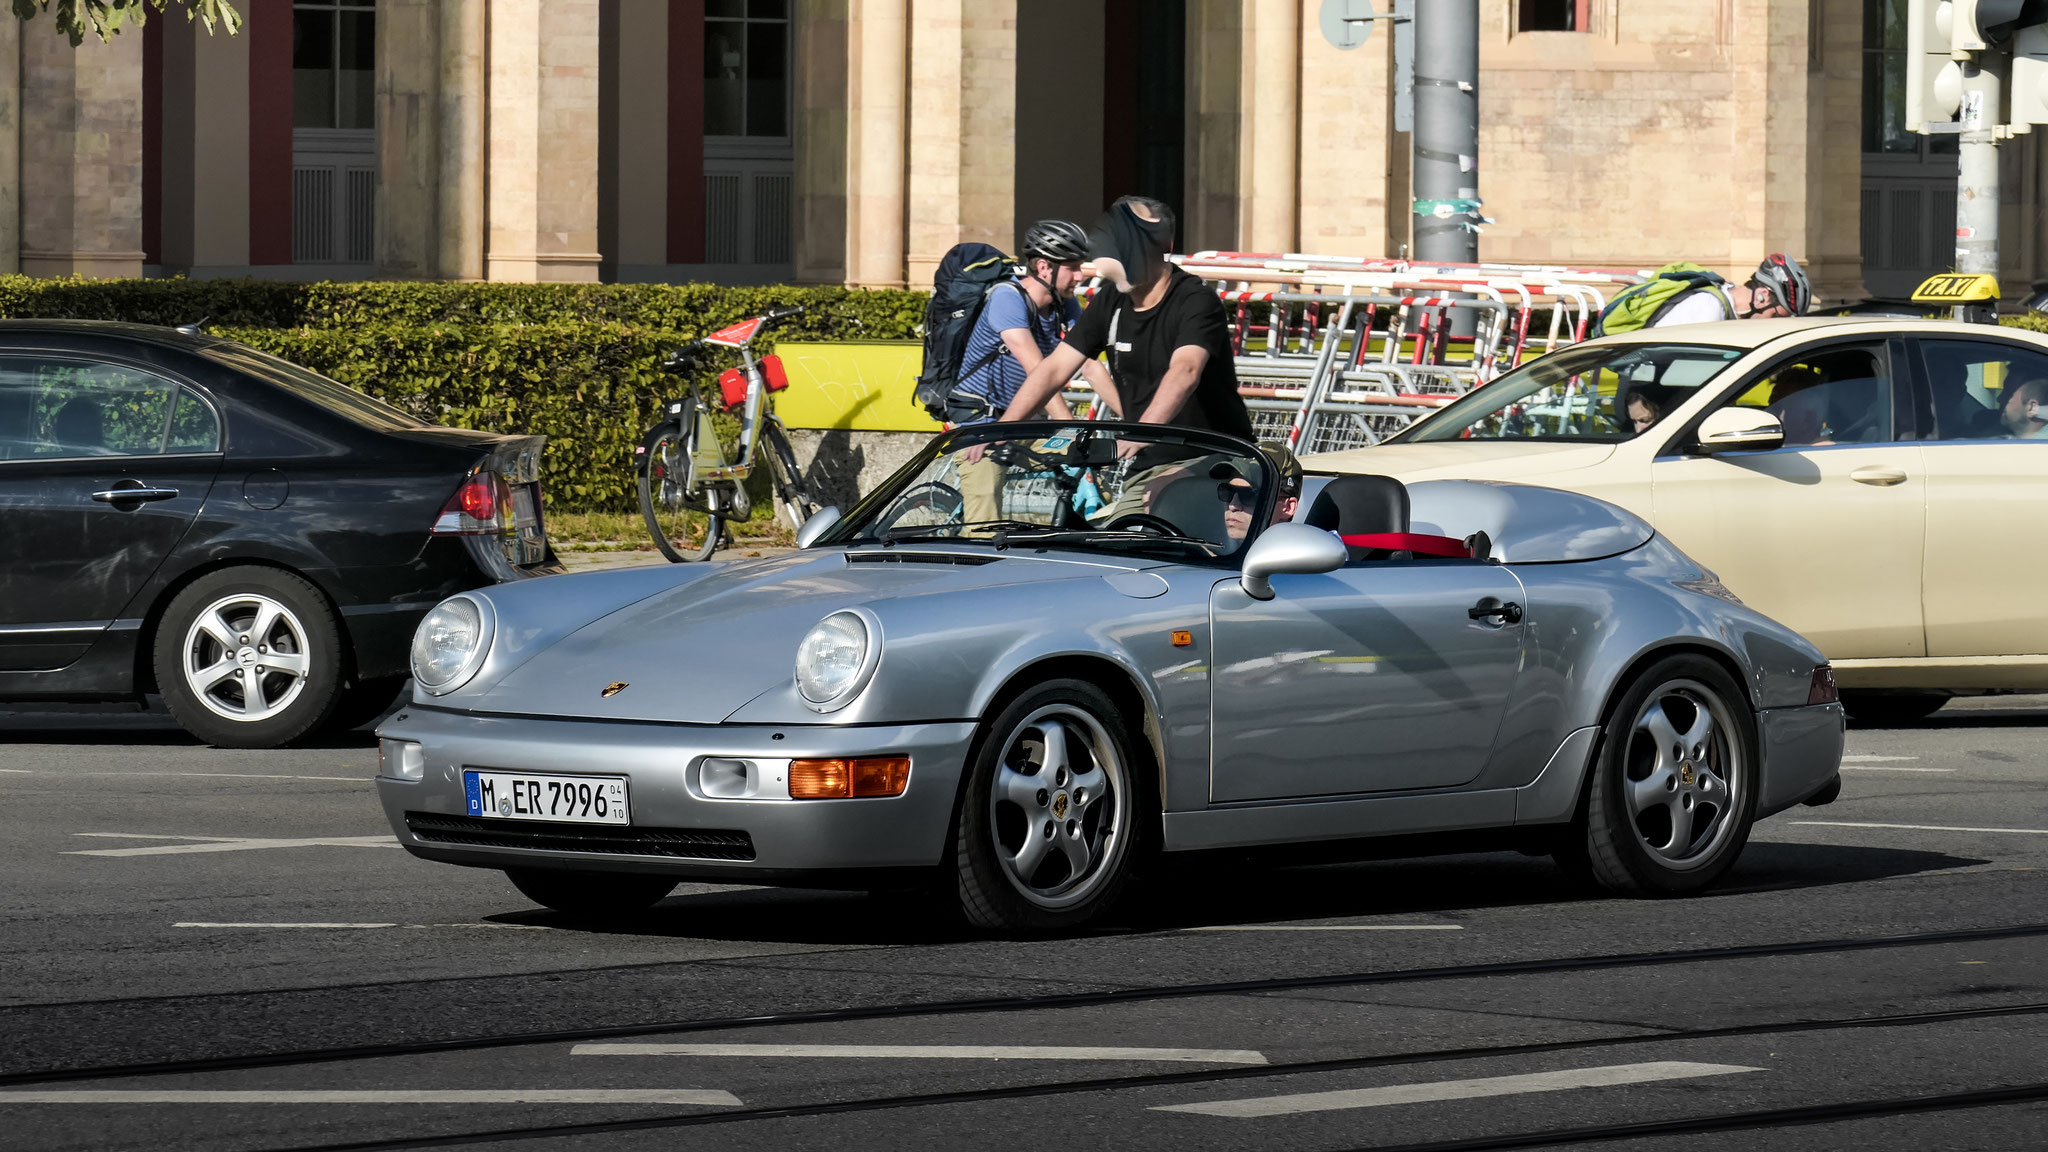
pixel 960 291
pixel 1642 305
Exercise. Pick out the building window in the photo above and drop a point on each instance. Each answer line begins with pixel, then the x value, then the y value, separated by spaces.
pixel 1553 16
pixel 746 68
pixel 749 156
pixel 334 80
pixel 334 133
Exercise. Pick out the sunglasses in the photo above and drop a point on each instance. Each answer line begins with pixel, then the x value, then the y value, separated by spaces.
pixel 1236 494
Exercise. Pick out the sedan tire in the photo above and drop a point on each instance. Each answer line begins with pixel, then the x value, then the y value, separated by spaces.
pixel 593 894
pixel 1674 789
pixel 249 657
pixel 1046 823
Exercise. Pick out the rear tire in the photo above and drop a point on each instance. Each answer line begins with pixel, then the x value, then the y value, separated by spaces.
pixel 1673 792
pixel 791 498
pixel 249 657
pixel 666 495
pixel 1884 711
pixel 590 893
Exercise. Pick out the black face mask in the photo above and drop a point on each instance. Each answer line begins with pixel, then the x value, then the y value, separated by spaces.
pixel 1138 244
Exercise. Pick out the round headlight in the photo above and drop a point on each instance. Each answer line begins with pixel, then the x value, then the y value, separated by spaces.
pixel 449 645
pixel 831 658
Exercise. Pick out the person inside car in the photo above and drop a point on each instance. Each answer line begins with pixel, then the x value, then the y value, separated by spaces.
pixel 2025 411
pixel 1238 494
pixel 1644 409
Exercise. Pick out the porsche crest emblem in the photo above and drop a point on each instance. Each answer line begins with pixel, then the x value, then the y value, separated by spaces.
pixel 1685 775
pixel 1059 806
pixel 613 689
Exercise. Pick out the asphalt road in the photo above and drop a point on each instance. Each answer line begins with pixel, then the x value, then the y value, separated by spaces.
pixel 1874 974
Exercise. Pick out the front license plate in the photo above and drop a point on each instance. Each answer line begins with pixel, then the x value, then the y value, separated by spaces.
pixel 528 796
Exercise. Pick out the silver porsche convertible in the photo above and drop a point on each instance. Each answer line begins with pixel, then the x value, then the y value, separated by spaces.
pixel 1044 657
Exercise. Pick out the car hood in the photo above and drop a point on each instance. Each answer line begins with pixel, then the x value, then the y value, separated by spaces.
pixel 1463 459
pixel 698 652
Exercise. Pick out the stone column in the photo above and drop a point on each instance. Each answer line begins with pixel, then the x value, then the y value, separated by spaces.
pixel 205 213
pixel 81 155
pixel 963 128
pixel 463 91
pixel 1346 203
pixel 878 42
pixel 10 146
pixel 408 138
pixel 542 141
pixel 1216 49
pixel 1268 184
pixel 1767 172
pixel 1834 140
pixel 821 129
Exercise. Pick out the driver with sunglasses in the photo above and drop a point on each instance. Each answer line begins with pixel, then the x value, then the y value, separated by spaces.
pixel 1239 495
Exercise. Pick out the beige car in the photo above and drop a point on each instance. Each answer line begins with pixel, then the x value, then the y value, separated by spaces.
pixel 1879 485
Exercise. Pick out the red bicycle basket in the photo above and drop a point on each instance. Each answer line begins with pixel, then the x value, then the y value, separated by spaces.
pixel 771 369
pixel 732 385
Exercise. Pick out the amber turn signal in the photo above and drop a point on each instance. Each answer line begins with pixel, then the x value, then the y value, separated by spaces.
pixel 844 779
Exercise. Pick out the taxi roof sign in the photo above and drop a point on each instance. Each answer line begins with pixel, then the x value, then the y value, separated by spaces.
pixel 1957 288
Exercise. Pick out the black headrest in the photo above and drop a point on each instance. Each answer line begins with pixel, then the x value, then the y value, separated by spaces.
pixel 1360 505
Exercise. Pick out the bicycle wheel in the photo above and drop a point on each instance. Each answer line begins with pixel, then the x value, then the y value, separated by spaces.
pixel 931 504
pixel 681 532
pixel 791 498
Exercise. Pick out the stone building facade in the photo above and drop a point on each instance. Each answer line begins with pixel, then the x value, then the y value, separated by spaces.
pixel 854 141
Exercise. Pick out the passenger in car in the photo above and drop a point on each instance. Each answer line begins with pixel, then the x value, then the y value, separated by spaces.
pixel 1643 409
pixel 2025 411
pixel 80 427
pixel 1238 495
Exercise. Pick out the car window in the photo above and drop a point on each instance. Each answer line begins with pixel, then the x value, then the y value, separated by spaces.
pixel 1604 393
pixel 1834 396
pixel 1982 390
pixel 59 407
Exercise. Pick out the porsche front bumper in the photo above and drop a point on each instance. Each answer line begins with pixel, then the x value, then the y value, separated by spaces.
pixel 676 829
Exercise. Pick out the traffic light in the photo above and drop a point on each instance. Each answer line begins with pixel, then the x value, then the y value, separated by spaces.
pixel 1934 83
pixel 2029 78
pixel 1976 25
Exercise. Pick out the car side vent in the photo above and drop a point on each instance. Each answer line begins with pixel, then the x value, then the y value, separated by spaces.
pixel 971 560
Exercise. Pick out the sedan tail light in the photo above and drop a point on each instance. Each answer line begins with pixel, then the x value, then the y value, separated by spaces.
pixel 1822 688
pixel 481 507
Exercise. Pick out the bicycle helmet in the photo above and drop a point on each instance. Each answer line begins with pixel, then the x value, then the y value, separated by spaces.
pixel 1781 277
pixel 1060 241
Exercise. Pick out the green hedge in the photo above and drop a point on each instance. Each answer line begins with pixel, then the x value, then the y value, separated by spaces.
pixel 577 363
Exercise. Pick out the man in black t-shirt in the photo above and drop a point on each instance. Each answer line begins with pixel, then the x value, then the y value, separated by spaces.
pixel 1165 332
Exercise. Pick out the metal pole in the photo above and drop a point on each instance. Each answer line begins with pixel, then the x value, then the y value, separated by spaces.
pixel 1447 131
pixel 1977 183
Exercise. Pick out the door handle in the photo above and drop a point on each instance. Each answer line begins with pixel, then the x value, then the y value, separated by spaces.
pixel 1489 608
pixel 134 495
pixel 1879 475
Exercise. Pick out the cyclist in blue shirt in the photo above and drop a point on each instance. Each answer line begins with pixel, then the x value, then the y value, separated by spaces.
pixel 1021 323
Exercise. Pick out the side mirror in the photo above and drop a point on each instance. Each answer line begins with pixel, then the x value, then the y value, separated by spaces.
pixel 1288 548
pixel 1739 430
pixel 820 523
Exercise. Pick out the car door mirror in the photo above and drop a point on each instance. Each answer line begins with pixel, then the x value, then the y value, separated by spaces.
pixel 1739 430
pixel 1289 548
pixel 821 522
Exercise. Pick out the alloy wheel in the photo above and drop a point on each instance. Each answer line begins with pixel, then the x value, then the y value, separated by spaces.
pixel 1057 808
pixel 245 657
pixel 1683 774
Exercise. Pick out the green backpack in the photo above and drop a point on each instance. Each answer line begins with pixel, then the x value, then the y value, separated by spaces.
pixel 1642 305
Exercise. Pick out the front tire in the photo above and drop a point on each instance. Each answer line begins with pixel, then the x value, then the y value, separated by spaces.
pixel 1673 792
pixel 249 657
pixel 1047 823
pixel 791 497
pixel 667 491
pixel 595 894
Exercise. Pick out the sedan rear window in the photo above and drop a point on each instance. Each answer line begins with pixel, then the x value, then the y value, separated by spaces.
pixel 307 384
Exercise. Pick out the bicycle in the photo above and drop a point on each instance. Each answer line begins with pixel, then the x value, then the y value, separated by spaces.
pixel 684 472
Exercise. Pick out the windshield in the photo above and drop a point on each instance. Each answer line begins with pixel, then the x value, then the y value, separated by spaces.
pixel 332 395
pixel 1129 489
pixel 1605 394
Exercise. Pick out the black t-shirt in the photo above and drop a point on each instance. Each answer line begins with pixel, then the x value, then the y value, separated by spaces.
pixel 1143 347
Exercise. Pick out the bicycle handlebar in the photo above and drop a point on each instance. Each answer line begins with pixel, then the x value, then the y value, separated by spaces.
pixel 775 314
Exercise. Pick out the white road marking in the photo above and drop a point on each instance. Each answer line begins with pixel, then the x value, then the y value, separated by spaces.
pixel 274 924
pixel 1610 1076
pixel 1868 758
pixel 1919 827
pixel 382 1096
pixel 18 771
pixel 928 1052
pixel 224 843
pixel 1329 928
pixel 1889 768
